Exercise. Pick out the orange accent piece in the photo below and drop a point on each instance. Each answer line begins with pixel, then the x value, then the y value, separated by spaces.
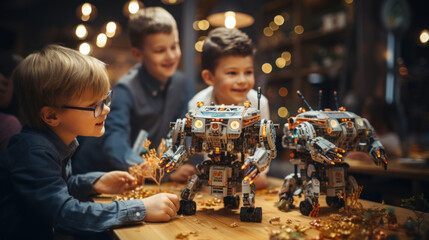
pixel 217 150
pixel 215 126
pixel 247 104
pixel 315 211
pixel 264 131
pixel 200 104
pixel 251 120
pixel 327 109
pixel 338 174
pixel 218 174
pixel 210 182
pixel 329 130
pixel 342 109
pixel 292 155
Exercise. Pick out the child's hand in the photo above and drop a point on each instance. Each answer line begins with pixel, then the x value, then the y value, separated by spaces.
pixel 114 182
pixel 161 207
pixel 183 173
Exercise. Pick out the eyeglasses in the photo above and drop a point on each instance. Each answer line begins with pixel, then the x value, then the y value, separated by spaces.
pixel 98 108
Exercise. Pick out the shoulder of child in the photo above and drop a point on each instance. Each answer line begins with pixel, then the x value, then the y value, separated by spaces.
pixel 203 95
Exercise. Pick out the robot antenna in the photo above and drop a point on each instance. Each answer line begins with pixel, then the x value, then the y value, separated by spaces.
pixel 336 100
pixel 320 99
pixel 259 98
pixel 303 99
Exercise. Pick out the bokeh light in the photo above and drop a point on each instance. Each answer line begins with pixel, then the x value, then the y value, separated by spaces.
pixel 267 68
pixel 283 92
pixel 299 29
pixel 424 36
pixel 268 32
pixel 81 31
pixel 101 40
pixel 85 48
pixel 279 20
pixel 283 112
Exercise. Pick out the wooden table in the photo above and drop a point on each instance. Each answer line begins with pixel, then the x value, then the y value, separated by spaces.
pixel 217 222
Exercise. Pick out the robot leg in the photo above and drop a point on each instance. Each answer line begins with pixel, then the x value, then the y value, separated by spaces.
pixel 249 213
pixel 291 186
pixel 310 206
pixel 187 205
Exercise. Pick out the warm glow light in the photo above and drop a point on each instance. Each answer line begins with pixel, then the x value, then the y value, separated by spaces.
pixel 111 28
pixel 86 9
pixel 199 46
pixel 203 25
pixel 101 40
pixel 286 55
pixel 348 1
pixel 230 19
pixel 283 112
pixel 85 48
pixel 266 68
pixel 273 26
pixel 424 36
pixel 133 7
pixel 268 32
pixel 403 71
pixel 280 62
pixel 279 20
pixel 299 29
pixel 283 92
pixel 81 31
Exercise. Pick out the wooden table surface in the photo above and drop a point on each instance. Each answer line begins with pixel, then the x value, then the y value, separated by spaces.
pixel 217 222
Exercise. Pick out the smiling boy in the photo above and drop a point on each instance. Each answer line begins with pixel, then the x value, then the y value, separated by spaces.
pixel 150 96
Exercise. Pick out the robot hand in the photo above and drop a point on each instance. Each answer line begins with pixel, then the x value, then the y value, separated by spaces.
pixel 258 163
pixel 379 156
pixel 170 160
pixel 325 151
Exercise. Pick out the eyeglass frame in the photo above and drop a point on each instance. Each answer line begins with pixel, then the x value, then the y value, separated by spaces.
pixel 107 101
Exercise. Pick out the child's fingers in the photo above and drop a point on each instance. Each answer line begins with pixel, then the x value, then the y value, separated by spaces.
pixel 174 199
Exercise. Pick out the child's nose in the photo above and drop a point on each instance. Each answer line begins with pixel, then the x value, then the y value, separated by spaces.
pixel 106 109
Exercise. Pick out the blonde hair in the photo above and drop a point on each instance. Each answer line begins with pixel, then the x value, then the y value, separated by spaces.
pixel 53 76
pixel 148 21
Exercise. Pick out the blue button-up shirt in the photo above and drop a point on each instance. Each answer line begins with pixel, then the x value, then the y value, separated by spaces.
pixel 38 194
pixel 140 102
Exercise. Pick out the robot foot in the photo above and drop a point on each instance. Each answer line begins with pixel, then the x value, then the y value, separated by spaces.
pixel 251 214
pixel 231 202
pixel 305 207
pixel 187 207
pixel 335 202
pixel 285 204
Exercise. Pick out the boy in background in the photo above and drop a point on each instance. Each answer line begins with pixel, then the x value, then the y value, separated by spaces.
pixel 227 63
pixel 63 94
pixel 150 96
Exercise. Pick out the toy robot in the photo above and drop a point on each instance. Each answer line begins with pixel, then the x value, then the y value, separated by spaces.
pixel 319 139
pixel 227 134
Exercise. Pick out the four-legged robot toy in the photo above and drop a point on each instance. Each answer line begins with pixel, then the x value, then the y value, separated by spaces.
pixel 225 133
pixel 319 139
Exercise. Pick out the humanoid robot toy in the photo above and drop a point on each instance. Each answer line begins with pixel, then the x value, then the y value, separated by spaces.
pixel 319 139
pixel 227 133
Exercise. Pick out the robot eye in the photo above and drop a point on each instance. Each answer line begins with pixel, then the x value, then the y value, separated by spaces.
pixel 359 122
pixel 198 124
pixel 334 123
pixel 234 125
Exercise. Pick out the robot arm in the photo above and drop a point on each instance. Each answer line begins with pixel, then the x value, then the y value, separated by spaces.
pixel 262 157
pixel 321 150
pixel 375 148
pixel 177 152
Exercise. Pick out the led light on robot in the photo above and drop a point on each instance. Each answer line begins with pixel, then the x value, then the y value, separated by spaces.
pixel 234 125
pixel 198 123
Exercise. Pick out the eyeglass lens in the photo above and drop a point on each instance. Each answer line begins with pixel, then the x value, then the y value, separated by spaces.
pixel 100 106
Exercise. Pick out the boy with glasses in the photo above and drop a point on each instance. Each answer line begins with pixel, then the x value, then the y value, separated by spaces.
pixel 63 94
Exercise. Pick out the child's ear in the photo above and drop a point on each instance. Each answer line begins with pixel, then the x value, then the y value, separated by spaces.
pixel 207 77
pixel 50 116
pixel 137 54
